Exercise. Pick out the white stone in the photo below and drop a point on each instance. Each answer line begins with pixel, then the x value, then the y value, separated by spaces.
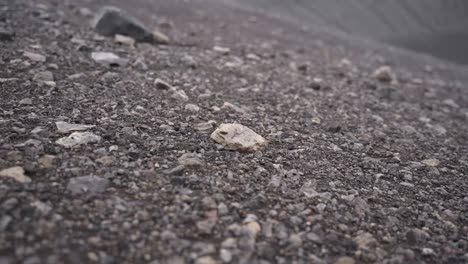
pixel 108 58
pixel 221 50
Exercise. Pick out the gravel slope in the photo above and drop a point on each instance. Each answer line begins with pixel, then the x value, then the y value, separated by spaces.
pixel 356 170
pixel 374 19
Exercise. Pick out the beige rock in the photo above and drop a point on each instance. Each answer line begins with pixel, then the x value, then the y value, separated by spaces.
pixel 16 173
pixel 105 160
pixel 124 40
pixel 384 74
pixel 345 260
pixel 206 260
pixel 365 240
pixel 191 160
pixel 431 162
pixel 316 120
pixel 253 227
pixel 47 161
pixel 160 37
pixel 238 137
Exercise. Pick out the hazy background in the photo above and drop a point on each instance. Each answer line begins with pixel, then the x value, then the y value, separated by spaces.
pixel 435 27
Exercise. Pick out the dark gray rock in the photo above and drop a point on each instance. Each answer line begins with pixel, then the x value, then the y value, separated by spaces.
pixel 112 21
pixel 6 35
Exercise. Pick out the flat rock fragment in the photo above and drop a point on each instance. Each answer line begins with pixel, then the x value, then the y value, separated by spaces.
pixel 64 127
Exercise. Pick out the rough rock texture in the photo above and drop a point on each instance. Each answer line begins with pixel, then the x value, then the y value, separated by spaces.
pixel 238 137
pixel 78 138
pixel 15 173
pixel 88 185
pixel 355 171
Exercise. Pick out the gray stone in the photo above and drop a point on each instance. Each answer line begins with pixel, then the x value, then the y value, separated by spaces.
pixel 179 170
pixel 90 185
pixel 206 226
pixel 112 21
pixel 222 209
pixel 417 236
pixel 314 238
pixel 191 160
pixel 26 101
pixel 180 95
pixel 162 85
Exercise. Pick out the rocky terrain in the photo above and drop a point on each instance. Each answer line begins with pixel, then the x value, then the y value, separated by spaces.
pixel 230 137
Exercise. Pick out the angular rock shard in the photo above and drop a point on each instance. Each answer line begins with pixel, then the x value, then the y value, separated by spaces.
pixel 64 127
pixel 238 137
pixel 112 21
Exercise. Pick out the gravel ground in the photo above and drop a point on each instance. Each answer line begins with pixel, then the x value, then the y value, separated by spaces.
pixel 103 164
